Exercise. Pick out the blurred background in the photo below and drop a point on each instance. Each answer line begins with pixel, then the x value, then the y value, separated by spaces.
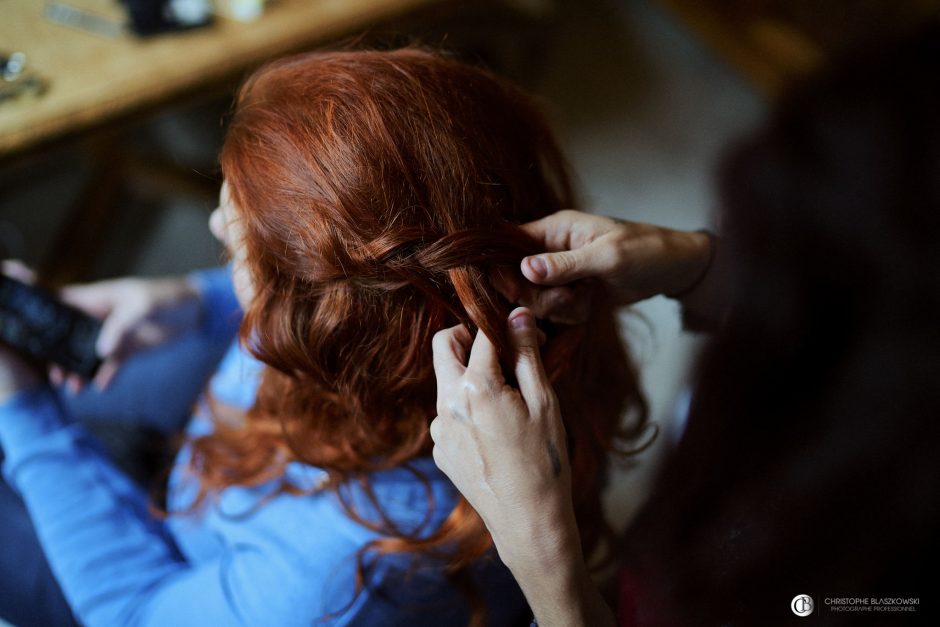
pixel 110 123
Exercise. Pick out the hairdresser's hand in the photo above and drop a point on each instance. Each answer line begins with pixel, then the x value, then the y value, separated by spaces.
pixel 138 314
pixel 504 449
pixel 16 373
pixel 634 261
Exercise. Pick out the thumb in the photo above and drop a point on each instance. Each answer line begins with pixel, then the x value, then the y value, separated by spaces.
pixel 18 270
pixel 530 373
pixel 561 267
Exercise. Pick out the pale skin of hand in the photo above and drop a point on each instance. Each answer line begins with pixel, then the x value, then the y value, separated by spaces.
pixel 138 314
pixel 504 449
pixel 634 261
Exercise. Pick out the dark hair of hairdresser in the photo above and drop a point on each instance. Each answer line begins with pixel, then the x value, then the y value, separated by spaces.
pixel 379 192
pixel 810 460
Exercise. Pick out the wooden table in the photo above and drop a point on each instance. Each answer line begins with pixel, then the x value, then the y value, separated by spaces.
pixel 94 80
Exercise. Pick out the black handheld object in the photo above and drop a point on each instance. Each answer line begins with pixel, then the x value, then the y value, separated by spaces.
pixel 152 17
pixel 38 325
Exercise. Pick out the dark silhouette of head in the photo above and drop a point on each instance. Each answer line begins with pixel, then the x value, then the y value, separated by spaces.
pixel 809 465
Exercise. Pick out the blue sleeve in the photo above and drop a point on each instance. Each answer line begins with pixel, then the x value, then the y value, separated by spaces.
pixel 90 519
pixel 222 313
pixel 118 565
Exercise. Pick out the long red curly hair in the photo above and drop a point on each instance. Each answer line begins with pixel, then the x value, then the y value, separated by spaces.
pixel 379 192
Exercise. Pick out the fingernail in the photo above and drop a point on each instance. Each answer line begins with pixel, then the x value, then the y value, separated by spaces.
pixel 563 297
pixel 521 320
pixel 538 267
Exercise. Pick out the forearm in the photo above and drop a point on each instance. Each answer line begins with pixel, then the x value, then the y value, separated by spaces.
pixel 565 597
pixel 706 304
pixel 552 574
pixel 117 564
pixel 106 549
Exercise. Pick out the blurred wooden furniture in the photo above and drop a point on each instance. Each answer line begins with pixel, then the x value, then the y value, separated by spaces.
pixel 773 42
pixel 94 79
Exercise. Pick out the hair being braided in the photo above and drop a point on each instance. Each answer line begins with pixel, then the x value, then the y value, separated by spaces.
pixel 379 192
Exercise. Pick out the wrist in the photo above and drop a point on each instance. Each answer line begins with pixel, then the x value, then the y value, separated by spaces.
pixel 186 299
pixel 698 254
pixel 542 543
pixel 219 310
pixel 560 591
pixel 191 294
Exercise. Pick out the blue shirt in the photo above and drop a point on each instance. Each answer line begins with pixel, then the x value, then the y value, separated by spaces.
pixel 289 560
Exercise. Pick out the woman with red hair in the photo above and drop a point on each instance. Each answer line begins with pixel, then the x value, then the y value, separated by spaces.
pixel 371 199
